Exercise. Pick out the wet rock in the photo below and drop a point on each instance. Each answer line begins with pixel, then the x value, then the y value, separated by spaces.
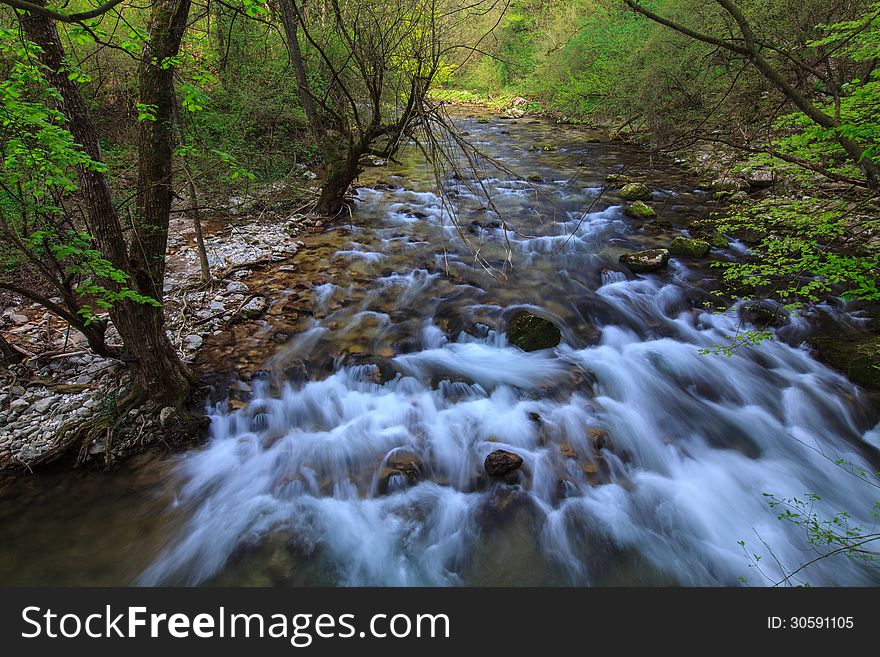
pixel 636 192
pixel 402 469
pixel 254 308
pixel 167 417
pixel 763 314
pixel 501 463
pixel 567 450
pixel 686 246
pixel 531 333
pixel 535 178
pixel 640 262
pixel 598 437
pixel 617 180
pixel 640 210
pixel 718 241
pixel 857 358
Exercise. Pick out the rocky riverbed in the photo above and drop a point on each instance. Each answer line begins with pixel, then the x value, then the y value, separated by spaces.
pixel 61 385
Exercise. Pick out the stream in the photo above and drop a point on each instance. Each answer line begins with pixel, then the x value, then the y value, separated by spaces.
pixel 357 458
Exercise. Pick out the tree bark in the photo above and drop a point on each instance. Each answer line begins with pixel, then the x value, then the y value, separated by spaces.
pixel 157 372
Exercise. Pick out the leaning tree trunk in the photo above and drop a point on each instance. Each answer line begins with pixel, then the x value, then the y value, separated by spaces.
pixel 157 371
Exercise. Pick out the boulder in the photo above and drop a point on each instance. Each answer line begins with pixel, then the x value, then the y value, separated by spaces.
pixel 761 178
pixel 718 241
pixel 686 246
pixel 236 287
pixel 167 417
pixel 763 314
pixel 531 333
pixel 640 210
pixel 857 358
pixel 501 463
pixel 636 192
pixel 728 185
pixel 617 180
pixel 254 308
pixel 640 262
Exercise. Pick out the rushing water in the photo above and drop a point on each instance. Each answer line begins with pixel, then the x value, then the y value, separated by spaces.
pixel 358 461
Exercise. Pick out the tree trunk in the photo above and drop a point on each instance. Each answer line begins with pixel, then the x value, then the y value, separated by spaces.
pixel 158 373
pixel 342 170
pixel 196 216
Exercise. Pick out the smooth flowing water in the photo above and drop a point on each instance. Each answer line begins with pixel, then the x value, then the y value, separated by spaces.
pixel 359 458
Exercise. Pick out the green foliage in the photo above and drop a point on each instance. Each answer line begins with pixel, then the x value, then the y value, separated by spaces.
pixel 805 251
pixel 38 174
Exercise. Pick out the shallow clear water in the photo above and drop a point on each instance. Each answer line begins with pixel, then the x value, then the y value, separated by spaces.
pixel 644 459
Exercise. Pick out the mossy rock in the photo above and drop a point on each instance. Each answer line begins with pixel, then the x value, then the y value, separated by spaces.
pixel 617 180
pixel 641 262
pixel 640 210
pixel 483 120
pixel 685 246
pixel 531 333
pixel 718 241
pixel 636 192
pixel 856 358
pixel 535 178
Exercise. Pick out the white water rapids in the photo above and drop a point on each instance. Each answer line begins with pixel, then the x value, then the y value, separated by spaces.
pixel 693 439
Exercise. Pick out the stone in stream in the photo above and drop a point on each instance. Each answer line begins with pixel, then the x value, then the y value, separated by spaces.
pixel 501 463
pixel 763 314
pixel 402 469
pixel 718 241
pixel 636 192
pixel 617 180
pixel 531 333
pixel 686 246
pixel 254 308
pixel 857 358
pixel 167 417
pixel 640 210
pixel 641 262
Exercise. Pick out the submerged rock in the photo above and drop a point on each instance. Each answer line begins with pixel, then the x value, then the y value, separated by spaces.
pixel 640 210
pixel 686 246
pixel 636 192
pixel 640 262
pixel 531 333
pixel 501 463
